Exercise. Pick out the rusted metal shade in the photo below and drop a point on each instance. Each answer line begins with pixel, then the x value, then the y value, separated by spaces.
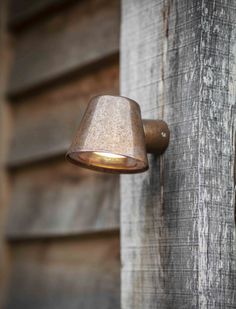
pixel 110 137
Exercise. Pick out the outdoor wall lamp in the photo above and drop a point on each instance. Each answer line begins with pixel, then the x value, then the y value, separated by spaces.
pixel 112 137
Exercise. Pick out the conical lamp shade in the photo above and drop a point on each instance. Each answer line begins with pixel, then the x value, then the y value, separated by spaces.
pixel 110 137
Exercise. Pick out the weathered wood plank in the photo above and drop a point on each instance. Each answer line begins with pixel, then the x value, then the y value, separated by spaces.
pixel 177 219
pixel 21 11
pixel 79 273
pixel 5 125
pixel 82 34
pixel 44 124
pixel 57 199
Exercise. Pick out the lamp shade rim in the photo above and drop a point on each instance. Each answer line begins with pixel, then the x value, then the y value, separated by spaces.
pixel 116 97
pixel 75 158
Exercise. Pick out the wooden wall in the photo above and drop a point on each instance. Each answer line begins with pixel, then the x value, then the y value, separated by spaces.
pixel 63 222
pixel 177 223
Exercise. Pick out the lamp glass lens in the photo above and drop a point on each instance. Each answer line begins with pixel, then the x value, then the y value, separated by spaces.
pixel 107 160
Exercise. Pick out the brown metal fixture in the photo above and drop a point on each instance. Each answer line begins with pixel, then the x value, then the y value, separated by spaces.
pixel 112 137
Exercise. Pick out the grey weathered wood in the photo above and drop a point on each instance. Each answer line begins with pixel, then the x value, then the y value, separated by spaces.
pixel 78 36
pixel 177 219
pixel 44 124
pixel 21 11
pixel 59 199
pixel 79 273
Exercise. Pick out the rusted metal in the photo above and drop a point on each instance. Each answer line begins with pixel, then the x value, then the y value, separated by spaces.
pixel 110 137
pixel 157 135
pixel 113 138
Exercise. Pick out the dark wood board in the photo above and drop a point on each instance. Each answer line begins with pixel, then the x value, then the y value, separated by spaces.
pixel 44 124
pixel 80 35
pixel 60 199
pixel 78 273
pixel 22 11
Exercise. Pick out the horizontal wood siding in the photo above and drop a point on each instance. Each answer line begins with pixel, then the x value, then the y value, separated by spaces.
pixel 63 221
pixel 58 199
pixel 66 274
pixel 80 35
pixel 45 123
pixel 21 11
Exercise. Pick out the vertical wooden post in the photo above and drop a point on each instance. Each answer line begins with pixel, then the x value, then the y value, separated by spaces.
pixel 177 219
pixel 5 125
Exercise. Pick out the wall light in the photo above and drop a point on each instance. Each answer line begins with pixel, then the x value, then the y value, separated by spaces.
pixel 112 137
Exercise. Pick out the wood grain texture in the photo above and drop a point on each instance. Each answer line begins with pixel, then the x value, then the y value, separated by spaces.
pixel 21 11
pixel 66 274
pixel 59 199
pixel 44 124
pixel 177 219
pixel 80 35
pixel 5 125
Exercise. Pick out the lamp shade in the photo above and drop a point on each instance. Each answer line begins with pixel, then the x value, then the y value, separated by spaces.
pixel 110 137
